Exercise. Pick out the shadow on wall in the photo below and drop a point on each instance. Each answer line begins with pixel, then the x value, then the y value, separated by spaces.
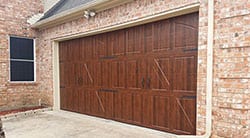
pixel 1 130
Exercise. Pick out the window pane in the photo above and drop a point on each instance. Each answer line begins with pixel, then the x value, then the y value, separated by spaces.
pixel 21 48
pixel 22 71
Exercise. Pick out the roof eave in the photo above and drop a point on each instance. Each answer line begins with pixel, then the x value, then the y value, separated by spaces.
pixel 97 5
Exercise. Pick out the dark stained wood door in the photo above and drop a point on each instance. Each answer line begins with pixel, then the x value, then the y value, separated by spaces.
pixel 143 75
pixel 185 42
pixel 68 84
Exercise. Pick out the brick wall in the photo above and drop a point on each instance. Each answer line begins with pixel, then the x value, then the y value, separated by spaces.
pixel 13 21
pixel 231 83
pixel 122 14
pixel 231 89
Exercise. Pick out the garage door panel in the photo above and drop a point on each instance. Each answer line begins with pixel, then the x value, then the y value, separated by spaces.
pixel 77 74
pixel 93 103
pixel 184 36
pixel 106 73
pixel 117 42
pixel 149 37
pixel 162 112
pixel 87 48
pixel 107 99
pixel 101 74
pixel 127 106
pixel 88 101
pixel 82 100
pixel 100 105
pixel 147 110
pixel 101 46
pixel 158 36
pixel 161 32
pixel 118 106
pixel 118 74
pixel 70 99
pixel 186 113
pixel 63 98
pixel 97 74
pixel 185 32
pixel 69 74
pixel 74 101
pixel 74 50
pixel 70 51
pixel 63 52
pixel 87 73
pixel 62 74
pixel 72 76
pixel 134 74
pixel 67 99
pixel 65 71
pixel 134 40
pixel 68 102
pixel 190 19
pixel 160 72
pixel 184 75
pixel 137 108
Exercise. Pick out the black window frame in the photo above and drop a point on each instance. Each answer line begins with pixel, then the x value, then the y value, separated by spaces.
pixel 33 60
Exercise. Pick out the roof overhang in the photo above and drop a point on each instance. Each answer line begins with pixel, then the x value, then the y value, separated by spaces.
pixel 71 14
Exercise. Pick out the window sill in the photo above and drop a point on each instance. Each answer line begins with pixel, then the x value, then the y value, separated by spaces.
pixel 13 83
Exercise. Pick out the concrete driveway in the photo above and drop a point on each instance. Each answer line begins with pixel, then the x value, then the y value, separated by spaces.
pixel 63 124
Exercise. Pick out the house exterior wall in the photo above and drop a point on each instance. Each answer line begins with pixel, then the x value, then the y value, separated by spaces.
pixel 13 21
pixel 231 84
pixel 122 14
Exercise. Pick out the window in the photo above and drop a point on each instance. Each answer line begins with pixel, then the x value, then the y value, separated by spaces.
pixel 22 66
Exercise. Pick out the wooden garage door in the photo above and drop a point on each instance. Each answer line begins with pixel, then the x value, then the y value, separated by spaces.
pixel 144 75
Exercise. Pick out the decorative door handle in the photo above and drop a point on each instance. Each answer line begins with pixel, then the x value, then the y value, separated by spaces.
pixel 148 82
pixel 192 49
pixel 142 82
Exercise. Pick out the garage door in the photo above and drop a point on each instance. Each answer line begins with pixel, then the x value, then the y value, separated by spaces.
pixel 143 75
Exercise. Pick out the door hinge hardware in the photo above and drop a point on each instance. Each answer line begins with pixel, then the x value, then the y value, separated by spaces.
pixel 192 49
pixel 107 90
pixel 108 57
pixel 148 82
pixel 142 82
